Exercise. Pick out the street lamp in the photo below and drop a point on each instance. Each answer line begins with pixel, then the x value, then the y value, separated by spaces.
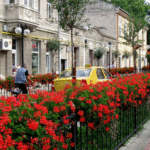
pixel 22 28
pixel 109 54
pixel 147 18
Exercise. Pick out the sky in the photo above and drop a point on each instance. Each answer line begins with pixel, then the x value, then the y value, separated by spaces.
pixel 147 1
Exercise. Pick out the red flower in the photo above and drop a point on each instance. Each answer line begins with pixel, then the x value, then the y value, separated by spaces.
pixel 116 116
pixel 82 119
pixel 62 108
pixel 33 125
pixel 107 129
pixel 107 120
pixel 80 113
pixel 90 125
pixel 88 101
pixel 43 120
pixel 72 144
pixel 56 109
pixel 140 102
pixel 99 96
pixel 100 115
pixel 66 121
pixel 91 91
pixel 61 138
pixel 81 98
pixel 94 107
pixel 64 146
pixel 117 99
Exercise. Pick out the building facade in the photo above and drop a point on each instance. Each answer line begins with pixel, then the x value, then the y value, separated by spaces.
pixel 122 23
pixel 112 21
pixel 42 21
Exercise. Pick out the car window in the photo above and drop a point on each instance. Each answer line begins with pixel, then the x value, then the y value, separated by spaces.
pixel 83 72
pixel 99 73
pixel 66 74
pixel 107 74
pixel 79 73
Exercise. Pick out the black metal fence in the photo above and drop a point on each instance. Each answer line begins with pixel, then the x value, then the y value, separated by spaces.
pixel 128 123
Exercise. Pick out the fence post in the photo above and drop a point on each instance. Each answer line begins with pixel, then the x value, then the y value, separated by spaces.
pixel 74 133
pixel 135 117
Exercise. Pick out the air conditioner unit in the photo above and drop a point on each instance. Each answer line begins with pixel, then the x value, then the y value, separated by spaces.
pixel 6 44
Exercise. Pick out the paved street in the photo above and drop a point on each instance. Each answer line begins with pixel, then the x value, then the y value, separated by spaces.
pixel 141 141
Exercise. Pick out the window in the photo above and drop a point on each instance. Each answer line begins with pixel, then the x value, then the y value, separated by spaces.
pixel 25 2
pixel 10 1
pixel 49 10
pixel 91 57
pixel 29 3
pixel 79 73
pixel 35 57
pixel 120 26
pixel 99 73
pixel 125 26
pixel 39 6
pixel 14 44
pixel 107 74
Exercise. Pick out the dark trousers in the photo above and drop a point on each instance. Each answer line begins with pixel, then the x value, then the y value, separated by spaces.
pixel 22 87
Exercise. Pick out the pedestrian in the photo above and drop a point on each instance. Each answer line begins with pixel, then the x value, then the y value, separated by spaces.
pixel 21 77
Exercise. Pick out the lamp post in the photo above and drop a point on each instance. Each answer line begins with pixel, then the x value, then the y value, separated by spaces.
pixel 109 54
pixel 147 18
pixel 22 29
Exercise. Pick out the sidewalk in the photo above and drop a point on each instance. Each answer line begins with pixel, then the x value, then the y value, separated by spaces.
pixel 140 141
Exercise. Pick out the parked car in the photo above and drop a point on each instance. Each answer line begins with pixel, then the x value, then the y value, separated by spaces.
pixel 94 74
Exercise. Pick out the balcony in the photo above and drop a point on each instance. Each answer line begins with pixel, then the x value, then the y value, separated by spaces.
pixel 15 13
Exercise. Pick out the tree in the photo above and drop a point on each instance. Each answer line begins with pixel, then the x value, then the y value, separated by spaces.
pixel 136 8
pixel 53 46
pixel 99 53
pixel 116 54
pixel 71 13
pixel 130 35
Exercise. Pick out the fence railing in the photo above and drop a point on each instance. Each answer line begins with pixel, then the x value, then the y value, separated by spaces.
pixel 31 89
pixel 99 139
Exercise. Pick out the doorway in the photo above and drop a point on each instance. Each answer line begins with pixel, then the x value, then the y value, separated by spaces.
pixel 63 64
pixel 91 57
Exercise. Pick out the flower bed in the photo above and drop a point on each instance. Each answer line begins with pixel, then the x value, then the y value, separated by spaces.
pixel 115 71
pixel 31 122
pixel 98 104
pixel 43 79
pixel 146 68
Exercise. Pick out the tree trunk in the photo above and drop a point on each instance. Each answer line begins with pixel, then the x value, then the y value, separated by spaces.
pixel 116 63
pixel 73 63
pixel 98 62
pixel 134 60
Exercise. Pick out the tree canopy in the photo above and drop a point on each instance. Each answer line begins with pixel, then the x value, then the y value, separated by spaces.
pixel 70 11
pixel 136 8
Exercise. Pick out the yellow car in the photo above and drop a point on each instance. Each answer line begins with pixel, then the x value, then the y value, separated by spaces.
pixel 94 74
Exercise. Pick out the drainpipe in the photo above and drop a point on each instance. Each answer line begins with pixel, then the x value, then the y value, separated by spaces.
pixel 59 59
